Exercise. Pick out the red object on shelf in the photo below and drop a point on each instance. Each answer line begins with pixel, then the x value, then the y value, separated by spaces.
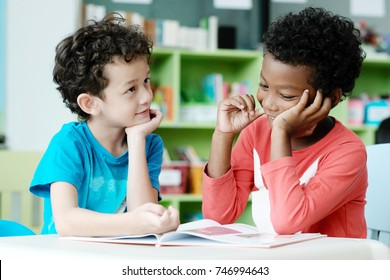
pixel 174 177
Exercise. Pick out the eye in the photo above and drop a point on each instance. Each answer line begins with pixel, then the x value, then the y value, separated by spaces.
pixel 287 97
pixel 147 80
pixel 131 90
pixel 263 86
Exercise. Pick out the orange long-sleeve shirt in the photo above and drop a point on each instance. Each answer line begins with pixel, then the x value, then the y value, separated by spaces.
pixel 330 201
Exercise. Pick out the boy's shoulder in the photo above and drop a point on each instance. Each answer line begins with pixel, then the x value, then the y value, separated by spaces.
pixel 69 131
pixel 72 126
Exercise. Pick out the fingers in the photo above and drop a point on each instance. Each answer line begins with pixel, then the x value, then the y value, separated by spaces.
pixel 248 104
pixel 319 105
pixel 174 213
pixel 156 209
pixel 147 127
pixel 303 102
pixel 169 220
pixel 163 219
pixel 245 103
pixel 156 116
pixel 259 112
pixel 154 113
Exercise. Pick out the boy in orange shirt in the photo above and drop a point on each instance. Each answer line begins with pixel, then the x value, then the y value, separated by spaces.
pixel 305 170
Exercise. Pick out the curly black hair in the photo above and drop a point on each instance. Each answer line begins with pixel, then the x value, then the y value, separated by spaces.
pixel 329 44
pixel 80 58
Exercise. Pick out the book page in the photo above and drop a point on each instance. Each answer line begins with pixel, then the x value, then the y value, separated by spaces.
pixel 221 236
pixel 209 232
pixel 197 224
pixel 205 223
pixel 207 229
pixel 150 239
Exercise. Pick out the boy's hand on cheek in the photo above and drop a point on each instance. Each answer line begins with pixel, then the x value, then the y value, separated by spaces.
pixel 301 120
pixel 147 127
pixel 155 119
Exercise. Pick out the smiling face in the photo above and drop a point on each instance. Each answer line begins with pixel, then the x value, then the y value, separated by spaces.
pixel 281 86
pixel 128 96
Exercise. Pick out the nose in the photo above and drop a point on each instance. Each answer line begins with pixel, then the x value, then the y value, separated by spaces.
pixel 267 100
pixel 146 95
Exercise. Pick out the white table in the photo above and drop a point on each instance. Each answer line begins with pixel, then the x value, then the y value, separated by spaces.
pixel 318 249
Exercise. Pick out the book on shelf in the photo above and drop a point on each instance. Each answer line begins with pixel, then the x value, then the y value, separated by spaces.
pixel 216 89
pixel 132 18
pixel 207 232
pixel 92 12
pixel 212 87
pixel 163 100
pixel 210 24
pixel 188 153
pixel 150 29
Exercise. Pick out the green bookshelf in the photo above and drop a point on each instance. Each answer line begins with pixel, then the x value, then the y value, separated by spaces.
pixel 183 70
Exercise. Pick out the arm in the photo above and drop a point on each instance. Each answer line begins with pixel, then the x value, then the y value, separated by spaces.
pixel 234 114
pixel 225 192
pixel 139 187
pixel 337 188
pixel 143 215
pixel 74 221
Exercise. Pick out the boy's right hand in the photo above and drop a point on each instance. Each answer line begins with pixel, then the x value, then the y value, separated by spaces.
pixel 154 218
pixel 236 112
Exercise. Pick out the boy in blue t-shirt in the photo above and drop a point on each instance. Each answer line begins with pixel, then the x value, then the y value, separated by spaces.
pixel 99 176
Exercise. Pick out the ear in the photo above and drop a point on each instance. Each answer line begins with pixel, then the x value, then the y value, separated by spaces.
pixel 336 97
pixel 88 103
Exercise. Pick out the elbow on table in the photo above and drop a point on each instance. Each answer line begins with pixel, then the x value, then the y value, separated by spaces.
pixel 211 215
pixel 284 225
pixel 63 230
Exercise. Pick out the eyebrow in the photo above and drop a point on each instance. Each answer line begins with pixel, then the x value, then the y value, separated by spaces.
pixel 284 87
pixel 130 81
pixel 133 80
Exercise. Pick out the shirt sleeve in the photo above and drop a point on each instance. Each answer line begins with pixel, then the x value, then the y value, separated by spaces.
pixel 61 162
pixel 340 178
pixel 225 198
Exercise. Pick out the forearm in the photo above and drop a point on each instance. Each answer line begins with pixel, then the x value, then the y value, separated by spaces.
pixel 139 188
pixel 83 222
pixel 222 201
pixel 280 144
pixel 220 154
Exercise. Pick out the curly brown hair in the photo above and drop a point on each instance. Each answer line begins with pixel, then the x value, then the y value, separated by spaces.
pixel 327 43
pixel 80 58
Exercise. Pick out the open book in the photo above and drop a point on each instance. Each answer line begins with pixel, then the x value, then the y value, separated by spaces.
pixel 208 233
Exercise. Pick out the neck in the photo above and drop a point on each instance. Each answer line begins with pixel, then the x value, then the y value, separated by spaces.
pixel 321 130
pixel 112 139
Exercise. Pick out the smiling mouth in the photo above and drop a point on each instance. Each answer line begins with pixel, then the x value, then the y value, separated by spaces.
pixel 143 112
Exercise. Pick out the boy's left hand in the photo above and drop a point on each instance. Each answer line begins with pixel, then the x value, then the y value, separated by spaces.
pixel 146 128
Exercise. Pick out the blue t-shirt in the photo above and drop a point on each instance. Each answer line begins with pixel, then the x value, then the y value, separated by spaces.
pixel 76 157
